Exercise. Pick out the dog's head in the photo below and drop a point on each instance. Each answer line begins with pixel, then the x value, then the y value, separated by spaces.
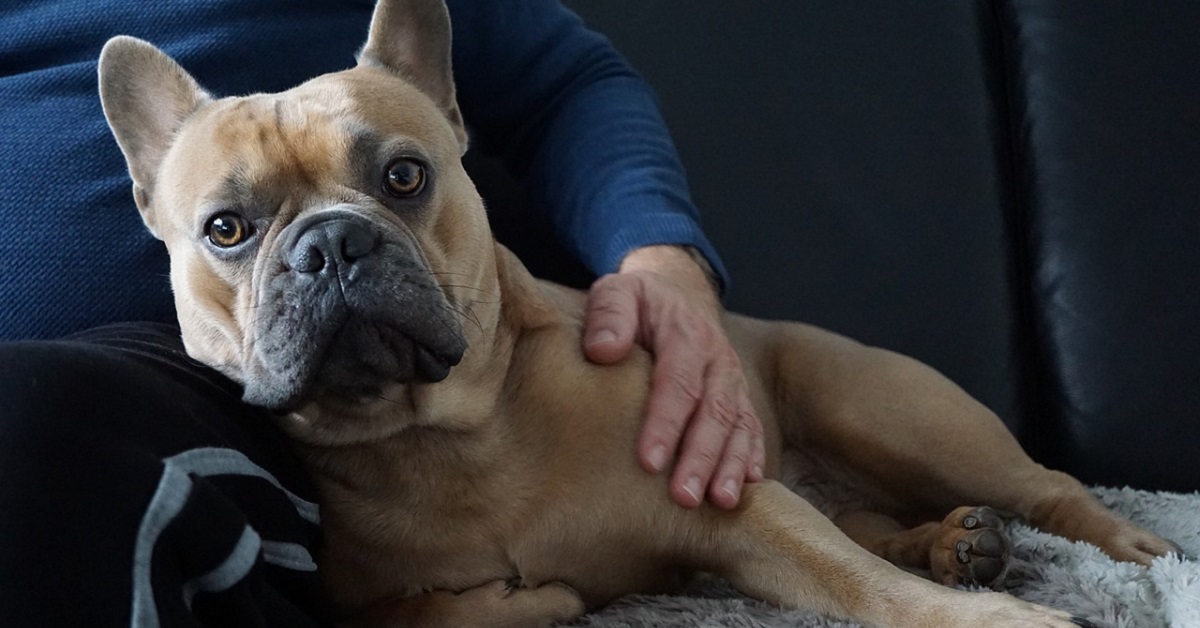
pixel 325 242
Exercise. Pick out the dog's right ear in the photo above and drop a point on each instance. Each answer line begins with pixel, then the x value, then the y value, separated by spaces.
pixel 146 97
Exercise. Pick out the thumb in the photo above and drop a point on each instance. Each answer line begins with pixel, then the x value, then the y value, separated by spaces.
pixel 611 321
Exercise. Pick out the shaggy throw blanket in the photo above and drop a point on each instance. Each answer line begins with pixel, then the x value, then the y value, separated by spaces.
pixel 1046 569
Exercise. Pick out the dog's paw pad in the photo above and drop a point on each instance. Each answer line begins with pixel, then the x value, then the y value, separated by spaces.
pixel 972 548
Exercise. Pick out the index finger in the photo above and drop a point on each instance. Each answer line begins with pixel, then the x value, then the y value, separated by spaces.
pixel 676 390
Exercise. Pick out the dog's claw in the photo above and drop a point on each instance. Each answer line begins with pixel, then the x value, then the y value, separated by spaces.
pixel 1079 621
pixel 1178 549
pixel 961 548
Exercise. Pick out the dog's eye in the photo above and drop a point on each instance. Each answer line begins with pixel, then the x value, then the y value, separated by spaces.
pixel 228 229
pixel 404 178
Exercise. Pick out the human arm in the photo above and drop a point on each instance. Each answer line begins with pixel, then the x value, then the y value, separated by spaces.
pixel 582 131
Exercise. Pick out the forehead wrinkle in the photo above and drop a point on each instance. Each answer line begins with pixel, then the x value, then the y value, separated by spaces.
pixel 278 146
pixel 304 142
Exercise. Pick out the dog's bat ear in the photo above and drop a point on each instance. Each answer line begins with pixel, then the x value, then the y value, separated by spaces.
pixel 412 39
pixel 146 97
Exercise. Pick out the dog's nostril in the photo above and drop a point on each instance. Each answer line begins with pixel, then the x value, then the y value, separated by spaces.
pixel 306 259
pixel 329 244
pixel 357 242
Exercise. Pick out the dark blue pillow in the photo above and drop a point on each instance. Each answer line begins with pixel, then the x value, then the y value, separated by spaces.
pixel 73 251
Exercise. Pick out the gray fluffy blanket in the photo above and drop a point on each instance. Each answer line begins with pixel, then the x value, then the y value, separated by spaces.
pixel 1049 570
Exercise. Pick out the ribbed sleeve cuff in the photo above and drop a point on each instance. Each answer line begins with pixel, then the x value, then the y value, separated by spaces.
pixel 640 229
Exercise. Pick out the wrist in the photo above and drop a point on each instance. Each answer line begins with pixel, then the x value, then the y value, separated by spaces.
pixel 683 264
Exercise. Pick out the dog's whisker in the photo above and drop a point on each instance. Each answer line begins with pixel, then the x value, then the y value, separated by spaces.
pixel 465 310
pixel 385 399
pixel 462 287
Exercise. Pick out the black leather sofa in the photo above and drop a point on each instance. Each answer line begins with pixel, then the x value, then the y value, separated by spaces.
pixel 1007 190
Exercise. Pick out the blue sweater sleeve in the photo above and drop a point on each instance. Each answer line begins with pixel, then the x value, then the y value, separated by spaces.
pixel 573 122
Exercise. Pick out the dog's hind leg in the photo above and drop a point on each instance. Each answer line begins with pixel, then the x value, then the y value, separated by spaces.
pixel 925 446
pixel 778 548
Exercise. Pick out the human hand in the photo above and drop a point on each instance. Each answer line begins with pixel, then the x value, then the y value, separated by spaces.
pixel 699 401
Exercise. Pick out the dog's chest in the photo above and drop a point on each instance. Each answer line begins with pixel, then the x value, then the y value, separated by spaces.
pixel 389 551
pixel 429 527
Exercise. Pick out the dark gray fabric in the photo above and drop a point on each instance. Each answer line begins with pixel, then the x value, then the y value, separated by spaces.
pixel 131 476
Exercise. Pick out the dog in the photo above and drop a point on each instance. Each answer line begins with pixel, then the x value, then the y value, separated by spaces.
pixel 329 253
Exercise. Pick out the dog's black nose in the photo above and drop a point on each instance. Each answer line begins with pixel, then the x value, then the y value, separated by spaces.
pixel 330 243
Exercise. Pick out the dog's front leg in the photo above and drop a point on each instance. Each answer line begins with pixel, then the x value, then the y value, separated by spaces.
pixel 492 605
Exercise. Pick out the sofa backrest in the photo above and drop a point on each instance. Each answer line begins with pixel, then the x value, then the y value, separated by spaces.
pixel 1008 190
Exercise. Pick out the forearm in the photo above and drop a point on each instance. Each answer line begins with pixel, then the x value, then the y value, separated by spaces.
pixel 580 128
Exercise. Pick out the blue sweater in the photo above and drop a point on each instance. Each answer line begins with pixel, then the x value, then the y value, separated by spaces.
pixel 552 99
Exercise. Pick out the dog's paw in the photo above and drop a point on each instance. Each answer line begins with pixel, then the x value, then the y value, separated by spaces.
pixel 1137 545
pixel 972 548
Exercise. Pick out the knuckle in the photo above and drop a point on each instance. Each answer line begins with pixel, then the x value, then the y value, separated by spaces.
pixel 608 308
pixel 665 427
pixel 704 457
pixel 731 359
pixel 614 282
pixel 737 458
pixel 685 384
pixel 739 452
pixel 724 412
pixel 698 329
pixel 749 421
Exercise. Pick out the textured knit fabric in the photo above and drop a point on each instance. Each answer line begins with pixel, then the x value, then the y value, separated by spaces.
pixel 568 116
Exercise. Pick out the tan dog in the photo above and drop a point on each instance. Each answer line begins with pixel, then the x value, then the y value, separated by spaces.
pixel 329 253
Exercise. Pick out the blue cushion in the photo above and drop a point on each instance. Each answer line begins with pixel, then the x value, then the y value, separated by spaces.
pixel 73 251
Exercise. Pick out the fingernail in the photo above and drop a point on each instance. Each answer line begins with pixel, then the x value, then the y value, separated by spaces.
pixel 657 457
pixel 603 336
pixel 731 488
pixel 693 488
pixel 757 473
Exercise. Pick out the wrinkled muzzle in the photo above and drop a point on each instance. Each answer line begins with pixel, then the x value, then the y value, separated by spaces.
pixel 344 308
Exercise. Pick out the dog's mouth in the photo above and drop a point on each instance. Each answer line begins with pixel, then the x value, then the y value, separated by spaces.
pixel 365 357
pixel 354 364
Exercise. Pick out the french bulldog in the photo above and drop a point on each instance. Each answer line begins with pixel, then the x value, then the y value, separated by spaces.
pixel 329 253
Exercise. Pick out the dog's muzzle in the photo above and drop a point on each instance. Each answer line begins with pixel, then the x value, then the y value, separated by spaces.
pixel 351 307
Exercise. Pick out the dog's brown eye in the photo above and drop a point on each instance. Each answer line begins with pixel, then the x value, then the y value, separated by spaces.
pixel 404 178
pixel 228 229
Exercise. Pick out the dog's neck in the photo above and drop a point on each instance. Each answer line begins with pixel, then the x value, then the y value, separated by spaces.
pixel 426 426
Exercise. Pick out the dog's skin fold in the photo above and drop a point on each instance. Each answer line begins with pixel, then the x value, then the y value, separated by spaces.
pixel 329 252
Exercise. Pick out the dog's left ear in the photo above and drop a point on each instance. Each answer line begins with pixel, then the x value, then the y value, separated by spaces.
pixel 412 39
